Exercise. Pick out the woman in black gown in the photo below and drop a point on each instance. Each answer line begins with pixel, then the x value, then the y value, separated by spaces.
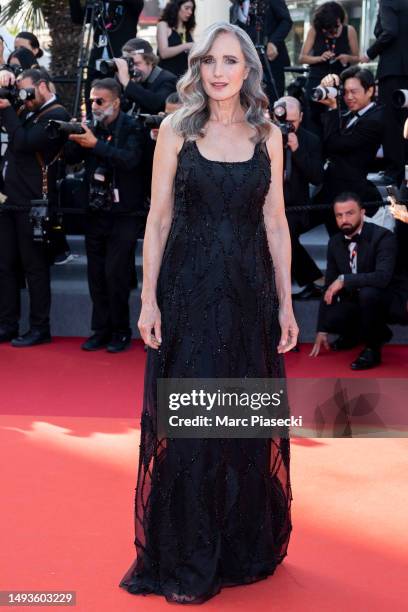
pixel 174 35
pixel 216 302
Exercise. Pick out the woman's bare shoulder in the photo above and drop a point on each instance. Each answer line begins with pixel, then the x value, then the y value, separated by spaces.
pixel 274 140
pixel 168 135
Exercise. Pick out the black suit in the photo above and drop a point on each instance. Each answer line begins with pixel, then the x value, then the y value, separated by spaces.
pixel 307 168
pixel 23 183
pixel 391 47
pixel 150 96
pixel 359 310
pixel 350 152
pixel 277 25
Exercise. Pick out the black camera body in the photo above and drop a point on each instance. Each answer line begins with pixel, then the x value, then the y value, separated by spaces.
pixel 13 68
pixel 17 96
pixel 108 68
pixel 151 121
pixel 100 190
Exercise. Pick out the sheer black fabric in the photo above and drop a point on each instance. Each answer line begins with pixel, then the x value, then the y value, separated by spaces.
pixel 211 513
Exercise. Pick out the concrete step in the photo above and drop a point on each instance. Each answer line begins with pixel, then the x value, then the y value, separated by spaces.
pixel 71 304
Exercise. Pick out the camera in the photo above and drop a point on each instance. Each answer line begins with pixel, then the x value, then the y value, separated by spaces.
pixel 55 128
pixel 100 191
pixel 15 95
pixel 152 121
pixel 285 126
pixel 14 68
pixel 324 93
pixel 400 98
pixel 108 68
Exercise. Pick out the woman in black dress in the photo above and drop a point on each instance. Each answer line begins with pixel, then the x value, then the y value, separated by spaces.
pixel 216 303
pixel 330 47
pixel 174 35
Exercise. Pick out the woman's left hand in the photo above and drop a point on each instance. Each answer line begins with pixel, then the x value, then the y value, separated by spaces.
pixel 289 330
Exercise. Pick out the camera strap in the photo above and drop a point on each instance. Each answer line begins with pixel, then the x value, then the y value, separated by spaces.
pixel 39 156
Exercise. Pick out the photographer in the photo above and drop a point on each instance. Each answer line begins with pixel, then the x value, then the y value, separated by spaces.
pixel 30 172
pixel 306 167
pixel 150 86
pixel 112 152
pixel 350 140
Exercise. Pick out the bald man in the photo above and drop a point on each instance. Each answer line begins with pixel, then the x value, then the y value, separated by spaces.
pixel 307 169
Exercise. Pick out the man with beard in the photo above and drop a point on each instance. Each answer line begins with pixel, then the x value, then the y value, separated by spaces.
pixel 113 153
pixel 360 267
pixel 30 173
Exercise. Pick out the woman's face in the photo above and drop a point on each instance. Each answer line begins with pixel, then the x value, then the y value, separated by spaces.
pixel 185 11
pixel 23 42
pixel 223 69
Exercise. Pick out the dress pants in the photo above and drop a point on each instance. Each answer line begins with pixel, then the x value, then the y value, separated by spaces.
pixel 393 144
pixel 360 314
pixel 110 242
pixel 17 248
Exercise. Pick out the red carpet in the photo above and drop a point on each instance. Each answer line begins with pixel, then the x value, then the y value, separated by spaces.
pixel 69 440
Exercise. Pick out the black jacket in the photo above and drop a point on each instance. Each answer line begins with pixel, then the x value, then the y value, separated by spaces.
pixel 307 167
pixel 351 153
pixel 125 15
pixel 150 96
pixel 391 39
pixel 123 158
pixel 376 255
pixel 23 176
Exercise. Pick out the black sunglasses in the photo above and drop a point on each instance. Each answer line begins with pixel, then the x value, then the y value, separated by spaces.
pixel 99 101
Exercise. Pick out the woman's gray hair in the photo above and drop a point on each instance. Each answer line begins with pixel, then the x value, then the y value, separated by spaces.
pixel 189 121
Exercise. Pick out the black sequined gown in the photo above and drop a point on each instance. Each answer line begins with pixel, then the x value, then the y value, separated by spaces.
pixel 212 512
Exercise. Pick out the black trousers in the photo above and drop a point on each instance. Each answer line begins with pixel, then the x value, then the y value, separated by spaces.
pixel 359 314
pixel 304 269
pixel 18 249
pixel 110 242
pixel 393 142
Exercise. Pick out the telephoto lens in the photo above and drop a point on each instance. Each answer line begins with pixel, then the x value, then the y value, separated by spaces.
pixel 324 93
pixel 108 68
pixel 400 98
pixel 55 128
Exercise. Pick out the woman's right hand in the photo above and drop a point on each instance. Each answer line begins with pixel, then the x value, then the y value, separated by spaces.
pixel 149 325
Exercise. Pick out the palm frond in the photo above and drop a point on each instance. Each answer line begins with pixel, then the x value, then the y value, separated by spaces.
pixel 26 13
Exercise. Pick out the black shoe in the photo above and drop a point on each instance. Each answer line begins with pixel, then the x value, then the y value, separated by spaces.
pixel 119 343
pixel 368 358
pixel 31 338
pixel 343 343
pixel 310 292
pixel 96 342
pixel 6 335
